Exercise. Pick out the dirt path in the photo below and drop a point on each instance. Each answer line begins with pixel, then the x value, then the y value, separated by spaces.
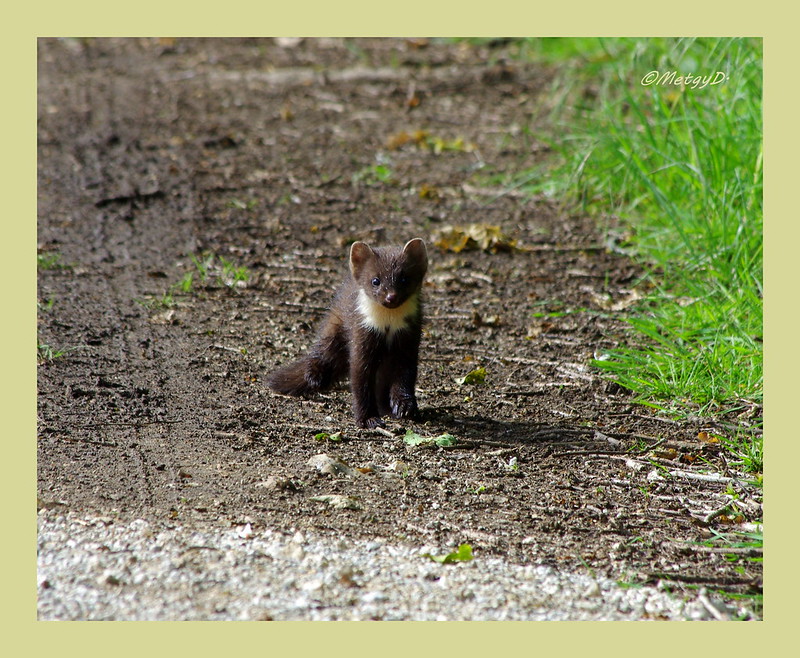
pixel 274 156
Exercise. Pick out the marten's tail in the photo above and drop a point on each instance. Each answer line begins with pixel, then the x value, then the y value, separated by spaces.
pixel 291 379
pixel 326 362
pixel 310 374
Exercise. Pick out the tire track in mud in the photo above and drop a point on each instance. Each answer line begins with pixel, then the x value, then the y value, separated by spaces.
pixel 127 228
pixel 126 411
pixel 140 405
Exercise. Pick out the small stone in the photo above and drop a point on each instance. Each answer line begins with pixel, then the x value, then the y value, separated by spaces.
pixel 338 502
pixel 331 466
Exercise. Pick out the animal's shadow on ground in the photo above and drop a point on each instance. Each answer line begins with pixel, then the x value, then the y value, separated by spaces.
pixel 515 433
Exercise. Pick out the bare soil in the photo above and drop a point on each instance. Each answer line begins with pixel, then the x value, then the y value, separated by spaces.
pixel 275 155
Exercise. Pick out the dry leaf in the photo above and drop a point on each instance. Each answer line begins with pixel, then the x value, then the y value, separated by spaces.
pixel 667 453
pixel 537 329
pixel 429 192
pixel 479 320
pixel 165 317
pixel 606 302
pixel 485 237
pixel 397 140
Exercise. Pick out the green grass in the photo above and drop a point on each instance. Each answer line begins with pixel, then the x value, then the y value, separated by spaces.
pixel 233 274
pixel 208 267
pixel 679 169
pixel 46 353
pixel 50 260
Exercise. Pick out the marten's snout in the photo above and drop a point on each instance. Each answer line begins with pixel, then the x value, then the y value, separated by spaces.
pixel 391 300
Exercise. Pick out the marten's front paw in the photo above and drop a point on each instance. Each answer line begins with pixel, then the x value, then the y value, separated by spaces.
pixel 404 407
pixel 371 423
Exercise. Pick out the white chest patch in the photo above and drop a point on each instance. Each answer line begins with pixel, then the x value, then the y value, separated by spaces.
pixel 387 321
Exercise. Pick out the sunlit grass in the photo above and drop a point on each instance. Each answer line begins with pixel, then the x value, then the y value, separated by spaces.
pixel 673 174
pixel 680 171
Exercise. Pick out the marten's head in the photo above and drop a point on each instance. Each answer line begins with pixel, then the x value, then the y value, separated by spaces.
pixel 389 276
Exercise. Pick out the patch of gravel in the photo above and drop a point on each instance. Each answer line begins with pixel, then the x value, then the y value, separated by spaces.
pixel 97 568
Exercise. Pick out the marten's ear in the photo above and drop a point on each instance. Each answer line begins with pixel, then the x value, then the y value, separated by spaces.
pixel 417 253
pixel 360 254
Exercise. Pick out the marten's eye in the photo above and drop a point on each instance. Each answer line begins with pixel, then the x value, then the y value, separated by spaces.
pixel 376 282
pixel 403 280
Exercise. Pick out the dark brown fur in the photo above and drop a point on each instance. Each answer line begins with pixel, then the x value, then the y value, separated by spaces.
pixel 371 333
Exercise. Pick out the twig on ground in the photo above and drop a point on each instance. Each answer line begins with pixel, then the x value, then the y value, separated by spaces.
pixel 385 432
pixel 747 551
pixel 721 581
pixel 484 442
pixel 142 423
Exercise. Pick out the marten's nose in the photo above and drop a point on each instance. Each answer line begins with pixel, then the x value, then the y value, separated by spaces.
pixel 391 298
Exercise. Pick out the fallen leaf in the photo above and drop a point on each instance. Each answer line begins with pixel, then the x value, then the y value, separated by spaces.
pixel 399 140
pixel 399 466
pixel 324 436
pixel 541 327
pixel 439 145
pixel 429 192
pixel 165 317
pixel 420 137
pixel 479 320
pixel 606 302
pixel 462 554
pixel 484 237
pixel 666 453
pixel 443 440
pixel 477 376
